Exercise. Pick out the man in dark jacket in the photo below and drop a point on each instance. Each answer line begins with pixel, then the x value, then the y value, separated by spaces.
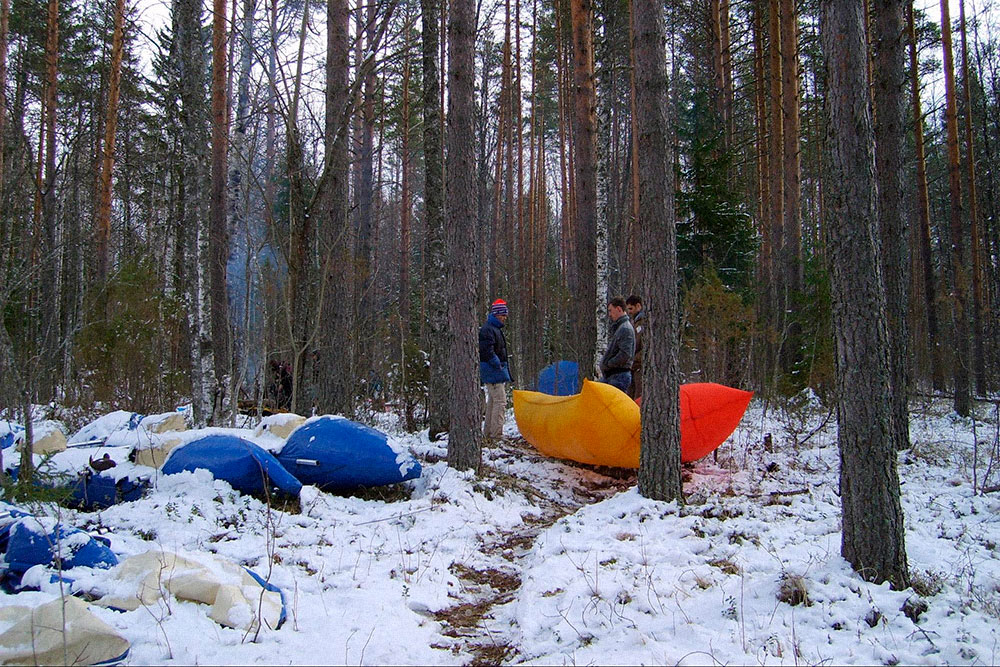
pixel 493 369
pixel 616 364
pixel 636 313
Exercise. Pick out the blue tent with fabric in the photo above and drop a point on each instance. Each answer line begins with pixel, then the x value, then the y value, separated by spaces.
pixel 337 453
pixel 247 467
pixel 561 378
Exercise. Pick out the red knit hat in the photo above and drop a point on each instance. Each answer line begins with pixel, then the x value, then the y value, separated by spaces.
pixel 499 307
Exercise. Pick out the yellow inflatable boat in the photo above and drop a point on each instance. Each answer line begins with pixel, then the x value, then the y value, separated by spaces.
pixel 601 424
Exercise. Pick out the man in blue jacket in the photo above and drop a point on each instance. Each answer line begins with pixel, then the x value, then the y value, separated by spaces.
pixel 493 369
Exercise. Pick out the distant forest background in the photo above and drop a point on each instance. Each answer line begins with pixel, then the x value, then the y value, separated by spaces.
pixel 191 203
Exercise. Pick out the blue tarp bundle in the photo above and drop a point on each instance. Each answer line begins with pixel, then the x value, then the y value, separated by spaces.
pixel 336 453
pixel 30 544
pixel 247 467
pixel 92 491
pixel 10 432
pixel 95 491
pixel 560 379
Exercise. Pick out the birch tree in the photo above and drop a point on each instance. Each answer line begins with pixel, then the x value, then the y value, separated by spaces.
pixel 194 219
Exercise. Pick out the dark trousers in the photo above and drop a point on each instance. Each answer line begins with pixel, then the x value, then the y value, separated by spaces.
pixel 620 380
pixel 635 389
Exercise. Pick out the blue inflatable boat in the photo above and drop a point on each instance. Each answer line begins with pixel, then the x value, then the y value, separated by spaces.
pixel 336 453
pixel 247 467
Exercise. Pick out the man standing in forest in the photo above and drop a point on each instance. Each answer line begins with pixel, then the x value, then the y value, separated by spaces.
pixel 493 369
pixel 616 364
pixel 633 306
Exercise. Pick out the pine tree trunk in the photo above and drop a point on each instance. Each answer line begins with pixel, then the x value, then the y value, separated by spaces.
pixel 404 208
pixel 890 140
pixel 979 351
pixel 776 187
pixel 337 373
pixel 990 229
pixel 434 268
pixel 718 81
pixel 103 226
pixel 270 149
pixel 365 189
pixel 218 237
pixel 465 436
pixel 583 328
pixel 660 454
pixel 765 260
pixel 239 223
pixel 958 255
pixel 791 167
pixel 298 297
pixel 4 31
pixel 635 276
pixel 924 213
pixel 872 517
pixel 501 179
pixel 50 259
pixel 568 268
pixel 727 72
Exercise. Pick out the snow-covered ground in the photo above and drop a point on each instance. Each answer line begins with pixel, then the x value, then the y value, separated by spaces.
pixel 543 562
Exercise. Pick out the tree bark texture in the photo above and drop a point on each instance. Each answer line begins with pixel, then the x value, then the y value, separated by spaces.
pixel 465 436
pixel 337 383
pixel 890 141
pixel 300 288
pixel 218 237
pixel 958 255
pixel 978 346
pixel 50 252
pixel 243 227
pixel 776 187
pixel 584 328
pixel 766 255
pixel 103 223
pixel 872 518
pixel 4 32
pixel 405 206
pixel 924 214
pixel 434 268
pixel 194 121
pixel 791 155
pixel 660 453
pixel 364 194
